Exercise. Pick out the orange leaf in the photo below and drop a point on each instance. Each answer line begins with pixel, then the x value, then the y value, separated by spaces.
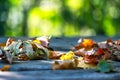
pixel 87 42
pixel 5 68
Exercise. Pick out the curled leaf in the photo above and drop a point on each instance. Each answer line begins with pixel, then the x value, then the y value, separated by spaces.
pixel 41 51
pixel 9 57
pixel 44 40
pixel 9 41
pixel 16 48
pixel 28 50
pixel 54 55
pixel 6 56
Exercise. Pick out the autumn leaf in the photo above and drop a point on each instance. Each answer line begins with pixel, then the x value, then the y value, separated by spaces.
pixel 54 54
pixel 67 56
pixel 5 68
pixel 87 42
pixel 68 64
pixel 37 41
pixel 44 40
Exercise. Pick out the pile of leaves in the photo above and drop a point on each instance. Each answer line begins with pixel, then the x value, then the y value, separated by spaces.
pixel 86 54
pixel 25 50
pixel 90 54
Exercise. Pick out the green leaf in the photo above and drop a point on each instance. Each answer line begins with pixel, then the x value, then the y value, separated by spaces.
pixel 104 66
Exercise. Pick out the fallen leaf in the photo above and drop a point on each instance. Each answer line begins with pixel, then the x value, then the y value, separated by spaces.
pixel 82 64
pixel 68 64
pixel 5 68
pixel 104 66
pixel 54 55
pixel 68 56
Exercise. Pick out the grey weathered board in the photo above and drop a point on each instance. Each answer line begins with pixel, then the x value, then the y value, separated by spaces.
pixel 41 69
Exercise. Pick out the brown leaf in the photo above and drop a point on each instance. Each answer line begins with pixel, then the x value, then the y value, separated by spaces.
pixel 72 64
pixel 63 65
pixel 44 40
pixel 9 41
pixel 22 57
pixel 5 68
pixel 83 65
pixel 54 55
pixel 2 44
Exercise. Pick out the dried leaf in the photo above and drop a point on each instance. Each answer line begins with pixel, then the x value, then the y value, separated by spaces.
pixel 24 50
pixel 37 41
pixel 9 41
pixel 22 56
pixel 28 49
pixel 63 65
pixel 2 45
pixel 67 56
pixel 99 51
pixel 82 64
pixel 72 64
pixel 9 57
pixel 54 55
pixel 5 68
pixel 85 43
pixel 80 52
pixel 16 48
pixel 44 40
pixel 41 51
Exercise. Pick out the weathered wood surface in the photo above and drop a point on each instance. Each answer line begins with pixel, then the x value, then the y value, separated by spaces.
pixel 41 69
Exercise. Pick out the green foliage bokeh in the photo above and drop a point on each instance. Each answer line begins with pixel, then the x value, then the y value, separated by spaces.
pixel 59 17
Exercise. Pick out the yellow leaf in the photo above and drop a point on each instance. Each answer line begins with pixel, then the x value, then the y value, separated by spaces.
pixel 67 56
pixel 37 41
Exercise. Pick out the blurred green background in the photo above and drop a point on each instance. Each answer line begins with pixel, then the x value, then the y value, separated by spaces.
pixel 59 17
